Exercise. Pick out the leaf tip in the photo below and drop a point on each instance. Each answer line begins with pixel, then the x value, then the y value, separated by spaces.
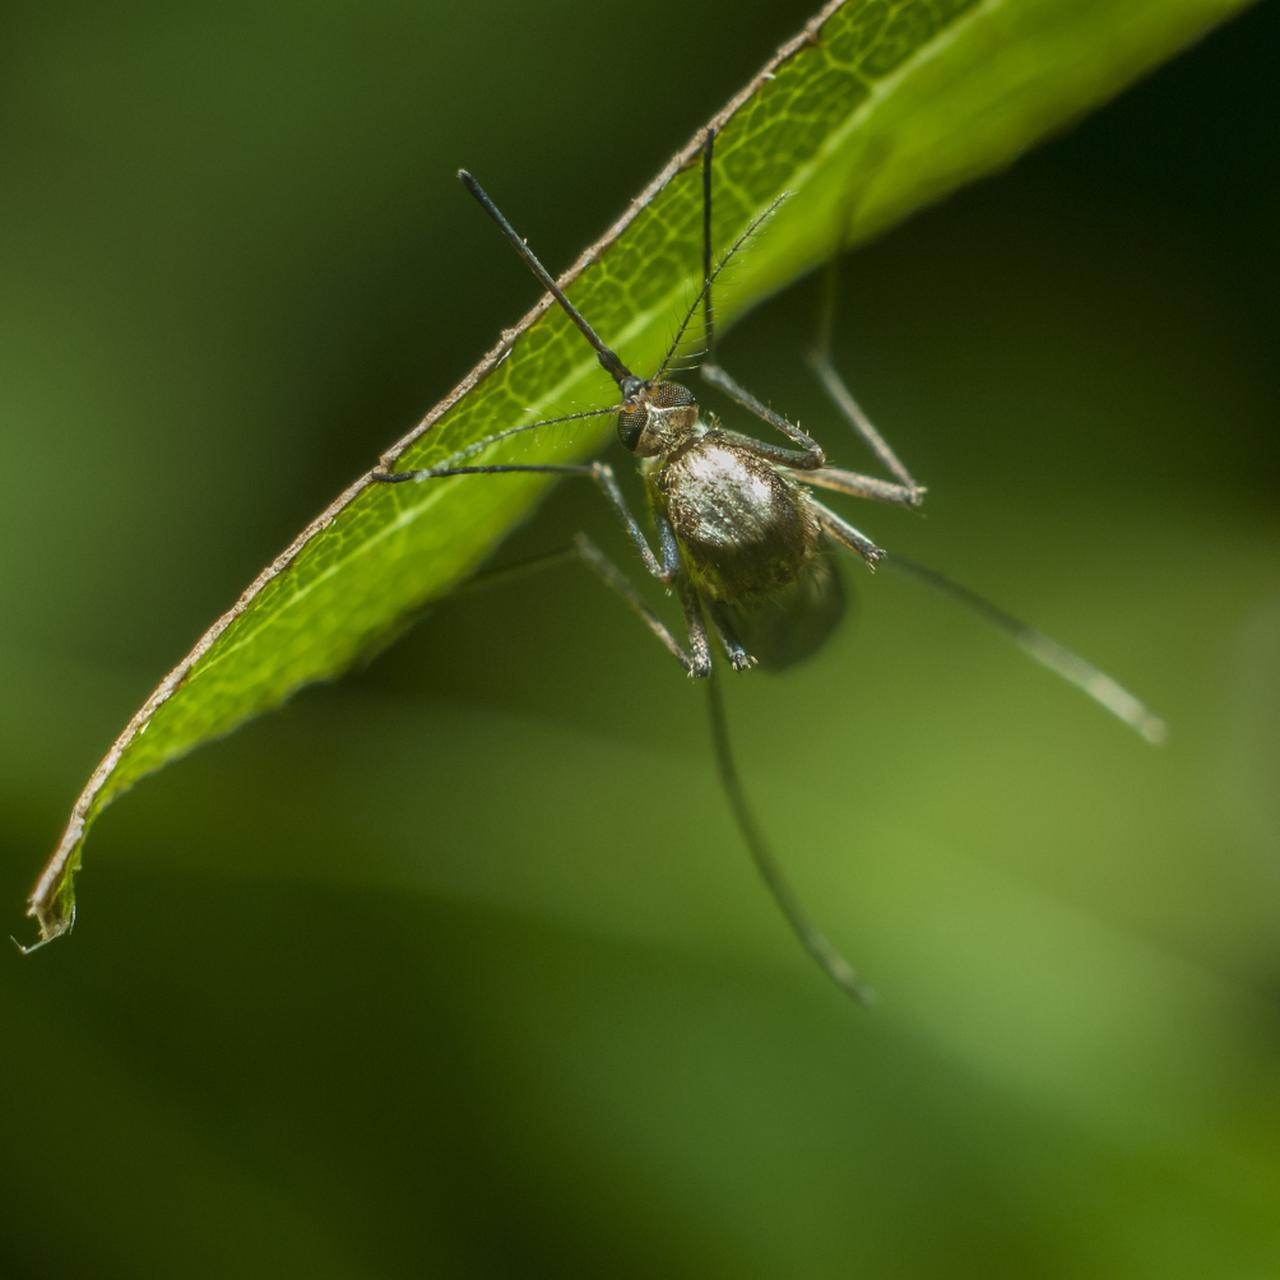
pixel 52 925
pixel 52 905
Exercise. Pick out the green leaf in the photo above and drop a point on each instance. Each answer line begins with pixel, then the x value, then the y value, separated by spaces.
pixel 878 108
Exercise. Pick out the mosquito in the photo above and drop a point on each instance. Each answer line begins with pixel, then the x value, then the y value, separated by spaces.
pixel 740 539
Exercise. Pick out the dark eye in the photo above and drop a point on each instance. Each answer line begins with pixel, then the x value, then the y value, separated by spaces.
pixel 630 425
pixel 670 395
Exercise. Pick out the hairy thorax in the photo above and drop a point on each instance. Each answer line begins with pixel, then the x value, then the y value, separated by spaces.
pixel 747 528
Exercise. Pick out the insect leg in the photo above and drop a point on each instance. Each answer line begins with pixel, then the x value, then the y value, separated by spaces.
pixel 737 653
pixel 833 964
pixel 668 544
pixel 699 646
pixel 600 472
pixel 835 386
pixel 708 276
pixel 1075 670
pixel 860 486
pixel 669 548
pixel 845 534
pixel 809 457
pixel 697 661
pixel 709 273
pixel 585 551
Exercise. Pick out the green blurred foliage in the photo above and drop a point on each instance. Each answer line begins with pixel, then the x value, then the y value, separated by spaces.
pixel 457 966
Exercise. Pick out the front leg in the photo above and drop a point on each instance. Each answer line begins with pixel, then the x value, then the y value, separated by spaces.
pixel 668 543
pixel 809 457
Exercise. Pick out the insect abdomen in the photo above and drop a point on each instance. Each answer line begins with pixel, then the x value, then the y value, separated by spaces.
pixel 747 529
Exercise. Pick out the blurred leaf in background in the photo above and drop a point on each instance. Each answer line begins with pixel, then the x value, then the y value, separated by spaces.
pixel 458 966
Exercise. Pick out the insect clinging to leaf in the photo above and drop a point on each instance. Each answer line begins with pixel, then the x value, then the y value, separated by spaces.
pixel 739 538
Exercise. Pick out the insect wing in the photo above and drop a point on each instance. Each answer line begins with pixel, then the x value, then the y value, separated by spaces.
pixel 792 625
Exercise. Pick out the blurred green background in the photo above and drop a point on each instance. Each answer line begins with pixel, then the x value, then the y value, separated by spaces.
pixel 457 966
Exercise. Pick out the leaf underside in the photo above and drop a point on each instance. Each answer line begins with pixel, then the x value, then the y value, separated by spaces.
pixel 878 108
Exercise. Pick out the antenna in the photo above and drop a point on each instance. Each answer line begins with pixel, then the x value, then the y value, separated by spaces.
pixel 627 381
pixel 708 310
pixel 704 293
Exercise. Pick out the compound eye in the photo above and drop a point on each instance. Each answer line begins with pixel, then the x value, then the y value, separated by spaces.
pixel 670 395
pixel 631 424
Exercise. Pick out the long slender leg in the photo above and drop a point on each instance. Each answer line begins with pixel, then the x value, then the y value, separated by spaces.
pixel 836 387
pixel 709 273
pixel 834 965
pixel 860 486
pixel 834 478
pixel 699 647
pixel 668 544
pixel 845 534
pixel 809 457
pixel 1075 670
pixel 696 661
pixel 734 649
pixel 600 472
pixel 708 278
pixel 488 579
